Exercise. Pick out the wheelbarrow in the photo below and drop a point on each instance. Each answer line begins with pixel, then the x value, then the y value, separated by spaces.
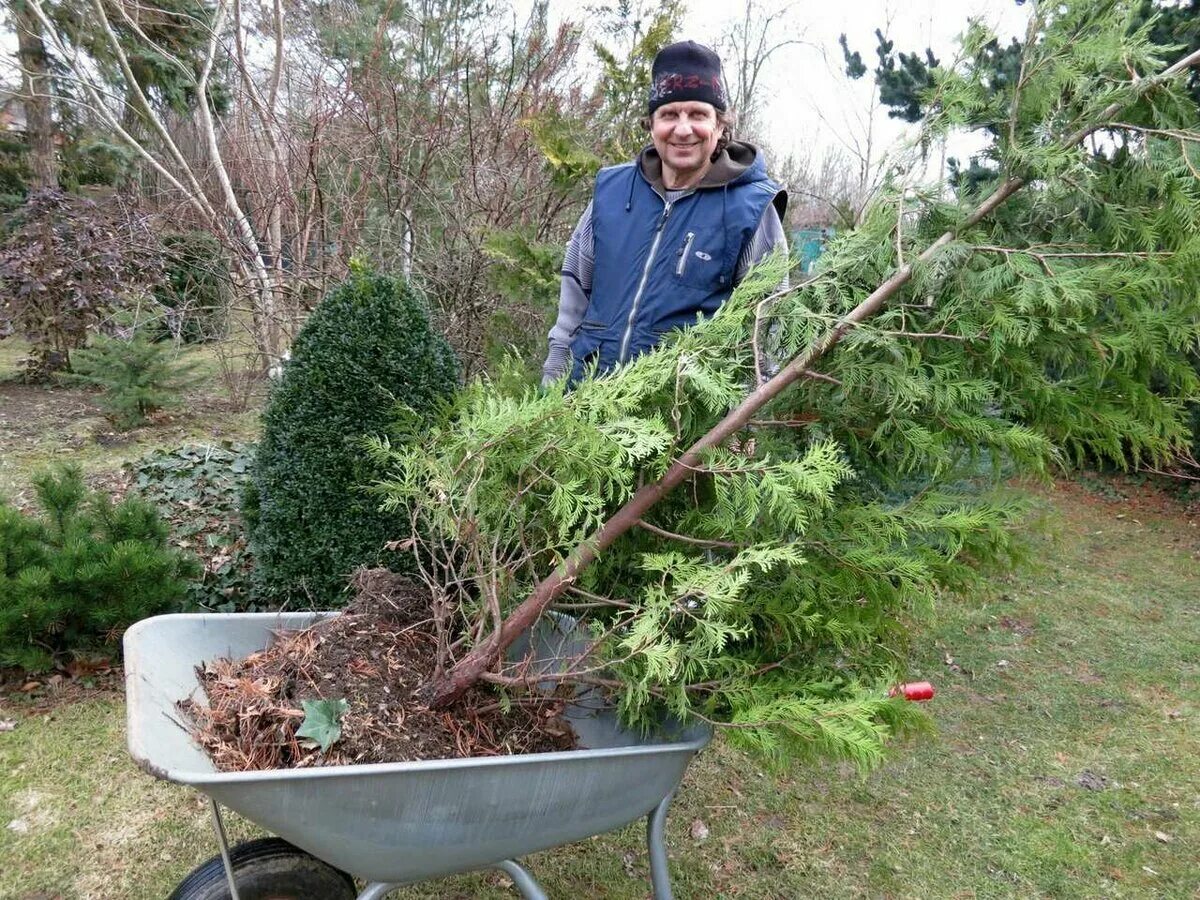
pixel 392 824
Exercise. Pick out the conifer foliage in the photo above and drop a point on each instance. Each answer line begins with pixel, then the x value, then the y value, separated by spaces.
pixel 75 577
pixel 365 350
pixel 136 374
pixel 772 590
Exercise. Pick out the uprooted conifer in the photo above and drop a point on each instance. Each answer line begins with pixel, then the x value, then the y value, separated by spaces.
pixel 937 348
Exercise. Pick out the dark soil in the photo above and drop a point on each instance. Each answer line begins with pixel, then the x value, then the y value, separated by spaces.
pixel 376 656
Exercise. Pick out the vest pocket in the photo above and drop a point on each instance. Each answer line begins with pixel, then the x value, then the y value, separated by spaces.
pixel 590 348
pixel 701 259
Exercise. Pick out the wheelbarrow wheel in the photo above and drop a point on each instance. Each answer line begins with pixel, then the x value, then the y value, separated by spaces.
pixel 267 869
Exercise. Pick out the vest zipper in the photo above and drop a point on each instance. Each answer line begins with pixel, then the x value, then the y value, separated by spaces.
pixel 637 297
pixel 683 254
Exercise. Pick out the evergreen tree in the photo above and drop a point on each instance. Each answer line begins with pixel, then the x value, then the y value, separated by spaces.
pixel 136 374
pixel 76 577
pixel 773 591
pixel 196 289
pixel 636 33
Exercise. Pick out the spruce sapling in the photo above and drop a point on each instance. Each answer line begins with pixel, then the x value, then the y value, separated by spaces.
pixel 137 375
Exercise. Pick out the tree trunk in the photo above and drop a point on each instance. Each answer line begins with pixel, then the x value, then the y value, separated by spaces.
pixel 36 95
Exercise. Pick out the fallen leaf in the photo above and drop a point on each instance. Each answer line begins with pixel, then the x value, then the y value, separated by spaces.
pixel 30 686
pixel 699 831
pixel 628 860
pixel 1162 837
pixel 322 722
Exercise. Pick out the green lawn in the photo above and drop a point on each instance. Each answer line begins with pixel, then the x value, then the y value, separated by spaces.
pixel 43 423
pixel 1065 764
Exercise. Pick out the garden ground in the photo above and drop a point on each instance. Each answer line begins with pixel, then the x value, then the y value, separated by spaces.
pixel 1065 763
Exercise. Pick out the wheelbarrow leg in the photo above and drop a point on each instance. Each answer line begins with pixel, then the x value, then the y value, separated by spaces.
pixel 524 882
pixel 223 843
pixel 520 876
pixel 377 890
pixel 660 872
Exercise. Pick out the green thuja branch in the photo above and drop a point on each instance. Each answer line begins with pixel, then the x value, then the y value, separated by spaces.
pixel 753 553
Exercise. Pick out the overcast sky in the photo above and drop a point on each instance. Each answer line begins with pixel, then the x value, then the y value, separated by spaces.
pixel 811 105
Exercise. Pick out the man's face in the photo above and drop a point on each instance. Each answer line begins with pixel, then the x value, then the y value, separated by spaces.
pixel 685 134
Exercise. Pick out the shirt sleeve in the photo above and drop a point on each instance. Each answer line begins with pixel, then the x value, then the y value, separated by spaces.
pixel 767 238
pixel 574 297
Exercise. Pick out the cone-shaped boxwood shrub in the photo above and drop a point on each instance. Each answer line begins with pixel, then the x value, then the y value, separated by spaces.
pixel 366 350
pixel 76 576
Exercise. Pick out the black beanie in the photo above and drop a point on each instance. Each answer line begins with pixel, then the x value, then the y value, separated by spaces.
pixel 686 71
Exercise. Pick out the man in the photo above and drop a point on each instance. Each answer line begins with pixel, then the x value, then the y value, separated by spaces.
pixel 668 236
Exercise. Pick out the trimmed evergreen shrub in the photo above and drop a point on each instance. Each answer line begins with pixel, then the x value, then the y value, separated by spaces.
pixel 137 376
pixel 14 171
pixel 367 349
pixel 78 575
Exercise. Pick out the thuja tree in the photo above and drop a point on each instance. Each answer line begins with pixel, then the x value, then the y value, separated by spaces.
pixel 752 548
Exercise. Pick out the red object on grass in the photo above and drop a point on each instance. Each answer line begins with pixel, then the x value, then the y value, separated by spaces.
pixel 917 691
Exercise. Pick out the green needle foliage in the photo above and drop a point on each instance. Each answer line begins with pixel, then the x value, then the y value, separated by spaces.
pixel 78 575
pixel 137 375
pixel 774 593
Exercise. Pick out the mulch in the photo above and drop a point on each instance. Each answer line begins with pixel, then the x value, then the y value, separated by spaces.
pixel 376 656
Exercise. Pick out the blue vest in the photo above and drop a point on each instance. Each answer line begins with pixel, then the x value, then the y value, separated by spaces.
pixel 659 266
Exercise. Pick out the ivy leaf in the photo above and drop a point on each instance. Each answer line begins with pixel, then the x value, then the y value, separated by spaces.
pixel 322 722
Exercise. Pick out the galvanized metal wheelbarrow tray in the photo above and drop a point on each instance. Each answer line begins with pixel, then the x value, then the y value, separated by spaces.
pixel 398 823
